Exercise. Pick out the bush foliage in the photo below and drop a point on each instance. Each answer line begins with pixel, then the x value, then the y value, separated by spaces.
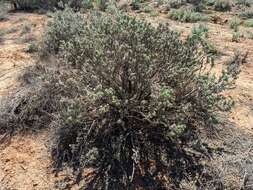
pixel 127 99
pixel 246 14
pixel 63 26
pixel 234 24
pixel 248 23
pixel 184 15
pixel 45 4
pixel 222 5
pixel 138 97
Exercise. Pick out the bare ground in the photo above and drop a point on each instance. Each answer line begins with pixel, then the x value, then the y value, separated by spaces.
pixel 25 161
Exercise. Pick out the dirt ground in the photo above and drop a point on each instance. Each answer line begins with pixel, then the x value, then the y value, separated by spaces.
pixel 25 160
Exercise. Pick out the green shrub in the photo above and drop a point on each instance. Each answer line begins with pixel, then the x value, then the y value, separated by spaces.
pixel 198 5
pixel 136 4
pixel 247 3
pixel 248 23
pixel 2 32
pixel 45 4
pixel 26 28
pixel 250 34
pixel 3 11
pixel 139 98
pixel 102 4
pixel 32 47
pixel 3 16
pixel 34 4
pixel 199 33
pixel 209 2
pixel 26 38
pixel 63 26
pixel 246 14
pixel 200 30
pixel 87 4
pixel 148 9
pixel 234 24
pixel 187 16
pixel 222 5
pixel 176 3
pixel 236 36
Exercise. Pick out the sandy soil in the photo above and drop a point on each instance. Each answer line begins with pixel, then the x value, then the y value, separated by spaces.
pixel 25 162
pixel 13 58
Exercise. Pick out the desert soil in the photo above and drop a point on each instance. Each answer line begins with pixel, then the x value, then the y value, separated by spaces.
pixel 25 160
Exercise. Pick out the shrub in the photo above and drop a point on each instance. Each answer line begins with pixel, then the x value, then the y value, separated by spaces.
pixel 198 5
pixel 248 23
pixel 199 33
pixel 176 3
pixel 209 2
pixel 2 32
pixel 236 36
pixel 222 5
pixel 102 4
pixel 45 4
pixel 136 4
pixel 33 4
pixel 3 11
pixel 244 2
pixel 87 4
pixel 148 9
pixel 32 47
pixel 26 28
pixel 64 25
pixel 154 13
pixel 234 24
pixel 250 34
pixel 246 14
pixel 199 30
pixel 186 16
pixel 27 38
pixel 141 94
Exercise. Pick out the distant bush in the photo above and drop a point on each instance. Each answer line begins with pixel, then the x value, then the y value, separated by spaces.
pixel 45 4
pixel 63 26
pixel 2 32
pixel 87 4
pixel 248 23
pixel 26 38
pixel 147 9
pixel 187 16
pixel 199 30
pixel 102 4
pixel 222 5
pixel 32 47
pixel 209 2
pixel 199 33
pixel 198 5
pixel 246 14
pixel 136 4
pixel 236 36
pixel 3 11
pixel 250 34
pixel 247 3
pixel 26 28
pixel 234 24
pixel 176 3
